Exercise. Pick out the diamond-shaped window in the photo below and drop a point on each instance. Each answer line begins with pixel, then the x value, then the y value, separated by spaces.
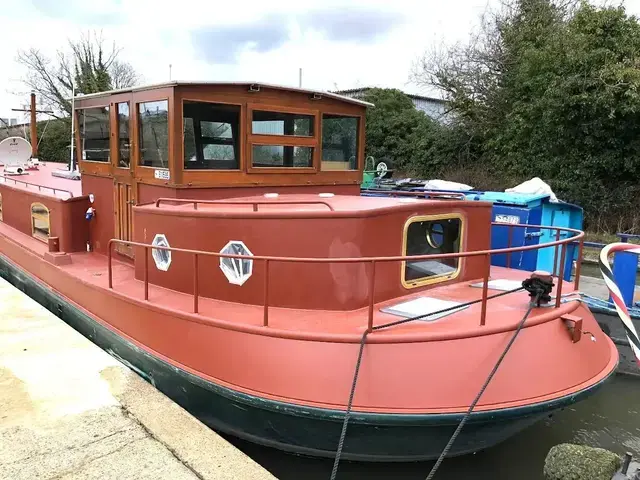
pixel 162 258
pixel 237 270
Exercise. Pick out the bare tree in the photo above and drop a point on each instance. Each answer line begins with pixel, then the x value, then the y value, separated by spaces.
pixel 86 64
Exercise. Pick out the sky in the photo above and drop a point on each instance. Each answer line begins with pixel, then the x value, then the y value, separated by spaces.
pixel 338 44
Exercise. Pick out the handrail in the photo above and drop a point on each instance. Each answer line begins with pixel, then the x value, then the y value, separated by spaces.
pixel 426 194
pixel 562 244
pixel 253 203
pixel 40 187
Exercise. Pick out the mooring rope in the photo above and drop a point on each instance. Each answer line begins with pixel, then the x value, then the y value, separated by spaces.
pixel 453 438
pixel 347 415
pixel 616 295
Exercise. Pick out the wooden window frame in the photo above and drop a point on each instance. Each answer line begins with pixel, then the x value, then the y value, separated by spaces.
pixel 241 127
pixel 139 166
pixel 92 167
pixel 116 134
pixel 436 278
pixel 40 216
pixel 282 140
pixel 359 143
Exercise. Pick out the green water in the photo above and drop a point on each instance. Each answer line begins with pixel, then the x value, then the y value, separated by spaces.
pixel 608 419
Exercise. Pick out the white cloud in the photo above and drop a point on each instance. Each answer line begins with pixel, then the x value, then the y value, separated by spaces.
pixel 373 43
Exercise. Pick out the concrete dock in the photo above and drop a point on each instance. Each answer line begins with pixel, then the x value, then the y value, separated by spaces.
pixel 68 410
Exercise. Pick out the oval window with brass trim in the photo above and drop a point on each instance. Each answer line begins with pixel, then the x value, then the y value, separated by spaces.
pixel 40 225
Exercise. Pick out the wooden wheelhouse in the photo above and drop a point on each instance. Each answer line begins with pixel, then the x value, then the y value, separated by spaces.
pixel 195 140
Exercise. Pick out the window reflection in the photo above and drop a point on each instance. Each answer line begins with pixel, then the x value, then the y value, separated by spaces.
pixel 153 132
pixel 94 133
pixel 339 142
pixel 211 133
pixel 282 156
pixel 277 123
pixel 124 152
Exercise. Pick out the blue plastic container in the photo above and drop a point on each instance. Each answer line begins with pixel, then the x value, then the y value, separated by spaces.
pixel 536 210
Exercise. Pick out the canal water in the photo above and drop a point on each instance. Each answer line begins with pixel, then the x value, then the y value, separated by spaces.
pixel 607 419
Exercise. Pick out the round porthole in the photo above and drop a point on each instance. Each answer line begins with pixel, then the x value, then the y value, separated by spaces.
pixel 435 235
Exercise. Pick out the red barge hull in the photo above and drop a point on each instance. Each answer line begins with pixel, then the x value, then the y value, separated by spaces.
pixel 290 427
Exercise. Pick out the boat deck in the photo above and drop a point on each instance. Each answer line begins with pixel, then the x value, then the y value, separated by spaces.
pixel 503 314
pixel 44 182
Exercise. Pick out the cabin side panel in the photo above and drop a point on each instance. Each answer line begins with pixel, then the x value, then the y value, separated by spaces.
pixel 65 217
pixel 331 286
pixel 102 227
pixel 75 227
pixel 316 286
pixel 150 193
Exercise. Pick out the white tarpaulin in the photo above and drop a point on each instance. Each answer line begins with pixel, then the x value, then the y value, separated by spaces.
pixel 535 185
pixel 446 185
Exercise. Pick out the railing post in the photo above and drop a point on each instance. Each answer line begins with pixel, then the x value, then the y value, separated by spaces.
pixel 146 272
pixel 563 256
pixel 485 291
pixel 555 253
pixel 579 263
pixel 195 283
pixel 109 245
pixel 509 241
pixel 255 207
pixel 372 286
pixel 265 320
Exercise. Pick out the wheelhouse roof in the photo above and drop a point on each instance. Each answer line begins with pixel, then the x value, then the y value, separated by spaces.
pixel 177 83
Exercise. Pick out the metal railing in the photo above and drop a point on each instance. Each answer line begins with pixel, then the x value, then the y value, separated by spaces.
pixel 253 203
pixel 558 244
pixel 423 194
pixel 4 178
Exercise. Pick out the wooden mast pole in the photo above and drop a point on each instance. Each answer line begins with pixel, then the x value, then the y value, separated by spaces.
pixel 33 127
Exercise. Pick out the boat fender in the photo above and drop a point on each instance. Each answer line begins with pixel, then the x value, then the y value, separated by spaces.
pixel 90 213
pixel 539 286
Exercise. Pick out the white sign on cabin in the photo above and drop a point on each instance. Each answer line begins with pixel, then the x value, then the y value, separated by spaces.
pixel 512 219
pixel 161 174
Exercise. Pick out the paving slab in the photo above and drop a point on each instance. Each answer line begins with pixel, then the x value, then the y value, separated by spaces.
pixel 68 410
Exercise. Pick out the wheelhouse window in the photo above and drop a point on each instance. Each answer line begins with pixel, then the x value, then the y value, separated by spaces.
pixel 153 132
pixel 124 151
pixel 40 221
pixel 278 123
pixel 94 133
pixel 282 156
pixel 427 236
pixel 339 142
pixel 211 136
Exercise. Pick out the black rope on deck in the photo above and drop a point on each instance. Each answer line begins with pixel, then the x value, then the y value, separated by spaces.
pixel 446 449
pixel 347 415
pixel 539 288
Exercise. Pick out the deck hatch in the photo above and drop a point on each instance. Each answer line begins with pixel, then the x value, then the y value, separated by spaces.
pixel 423 306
